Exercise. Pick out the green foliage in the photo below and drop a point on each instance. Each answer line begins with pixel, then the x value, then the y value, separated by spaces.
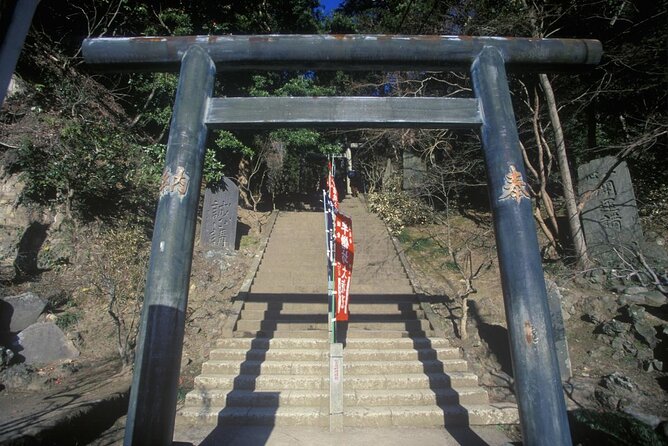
pixel 227 141
pixel 155 99
pixel 399 210
pixel 68 319
pixel 93 165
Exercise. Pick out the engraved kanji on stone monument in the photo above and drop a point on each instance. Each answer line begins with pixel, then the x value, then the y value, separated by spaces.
pixel 219 216
pixel 610 215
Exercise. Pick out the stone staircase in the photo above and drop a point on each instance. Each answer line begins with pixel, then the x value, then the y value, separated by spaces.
pixel 397 371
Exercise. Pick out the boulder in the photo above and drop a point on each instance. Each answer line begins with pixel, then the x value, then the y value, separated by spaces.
pixel 43 343
pixel 18 312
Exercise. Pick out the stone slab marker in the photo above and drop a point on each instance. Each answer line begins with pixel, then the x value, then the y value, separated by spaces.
pixel 610 216
pixel 219 215
pixel 415 170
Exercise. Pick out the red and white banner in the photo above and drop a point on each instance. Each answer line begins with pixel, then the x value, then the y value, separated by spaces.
pixel 331 187
pixel 344 250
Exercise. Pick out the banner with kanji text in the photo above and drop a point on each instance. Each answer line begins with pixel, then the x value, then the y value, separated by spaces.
pixel 344 252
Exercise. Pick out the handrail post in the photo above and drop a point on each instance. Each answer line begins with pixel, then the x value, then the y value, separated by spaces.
pixel 538 388
pixel 152 405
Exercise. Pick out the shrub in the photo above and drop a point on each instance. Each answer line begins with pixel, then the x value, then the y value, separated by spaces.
pixel 399 209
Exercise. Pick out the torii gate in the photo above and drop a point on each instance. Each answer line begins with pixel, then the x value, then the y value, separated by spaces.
pixel 538 385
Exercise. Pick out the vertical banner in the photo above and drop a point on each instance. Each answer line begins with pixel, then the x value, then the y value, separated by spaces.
pixel 331 187
pixel 344 251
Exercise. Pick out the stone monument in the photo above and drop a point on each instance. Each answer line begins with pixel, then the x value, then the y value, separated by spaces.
pixel 415 170
pixel 610 215
pixel 219 216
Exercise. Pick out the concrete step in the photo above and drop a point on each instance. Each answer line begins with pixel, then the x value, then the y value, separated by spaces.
pixel 401 416
pixel 283 298
pixel 356 367
pixel 395 343
pixel 352 345
pixel 431 415
pixel 268 334
pixel 414 397
pixel 275 383
pixel 317 311
pixel 313 317
pixel 258 367
pixel 273 354
pixel 354 333
pixel 411 381
pixel 269 325
pixel 250 398
pixel 320 398
pixel 289 288
pixel 302 343
pixel 402 287
pixel 304 367
pixel 323 334
pixel 258 416
pixel 407 354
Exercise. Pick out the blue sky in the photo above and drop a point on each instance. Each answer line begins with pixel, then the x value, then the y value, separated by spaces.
pixel 329 5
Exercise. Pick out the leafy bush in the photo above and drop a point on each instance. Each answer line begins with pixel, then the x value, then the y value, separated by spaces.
pixel 94 167
pixel 121 261
pixel 399 209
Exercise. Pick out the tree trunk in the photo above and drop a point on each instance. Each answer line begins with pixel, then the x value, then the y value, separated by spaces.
pixel 574 225
pixel 243 181
pixel 463 334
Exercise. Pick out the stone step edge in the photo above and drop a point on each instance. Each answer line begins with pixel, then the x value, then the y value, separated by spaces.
pixel 352 398
pixel 431 415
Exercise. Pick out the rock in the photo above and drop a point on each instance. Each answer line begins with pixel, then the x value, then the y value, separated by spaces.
pixel 606 399
pixel 43 343
pixel 628 299
pixel 634 312
pixel 18 312
pixel 632 290
pixel 16 87
pixel 617 380
pixel 613 328
pixel 646 333
pixel 650 365
pixel 655 298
